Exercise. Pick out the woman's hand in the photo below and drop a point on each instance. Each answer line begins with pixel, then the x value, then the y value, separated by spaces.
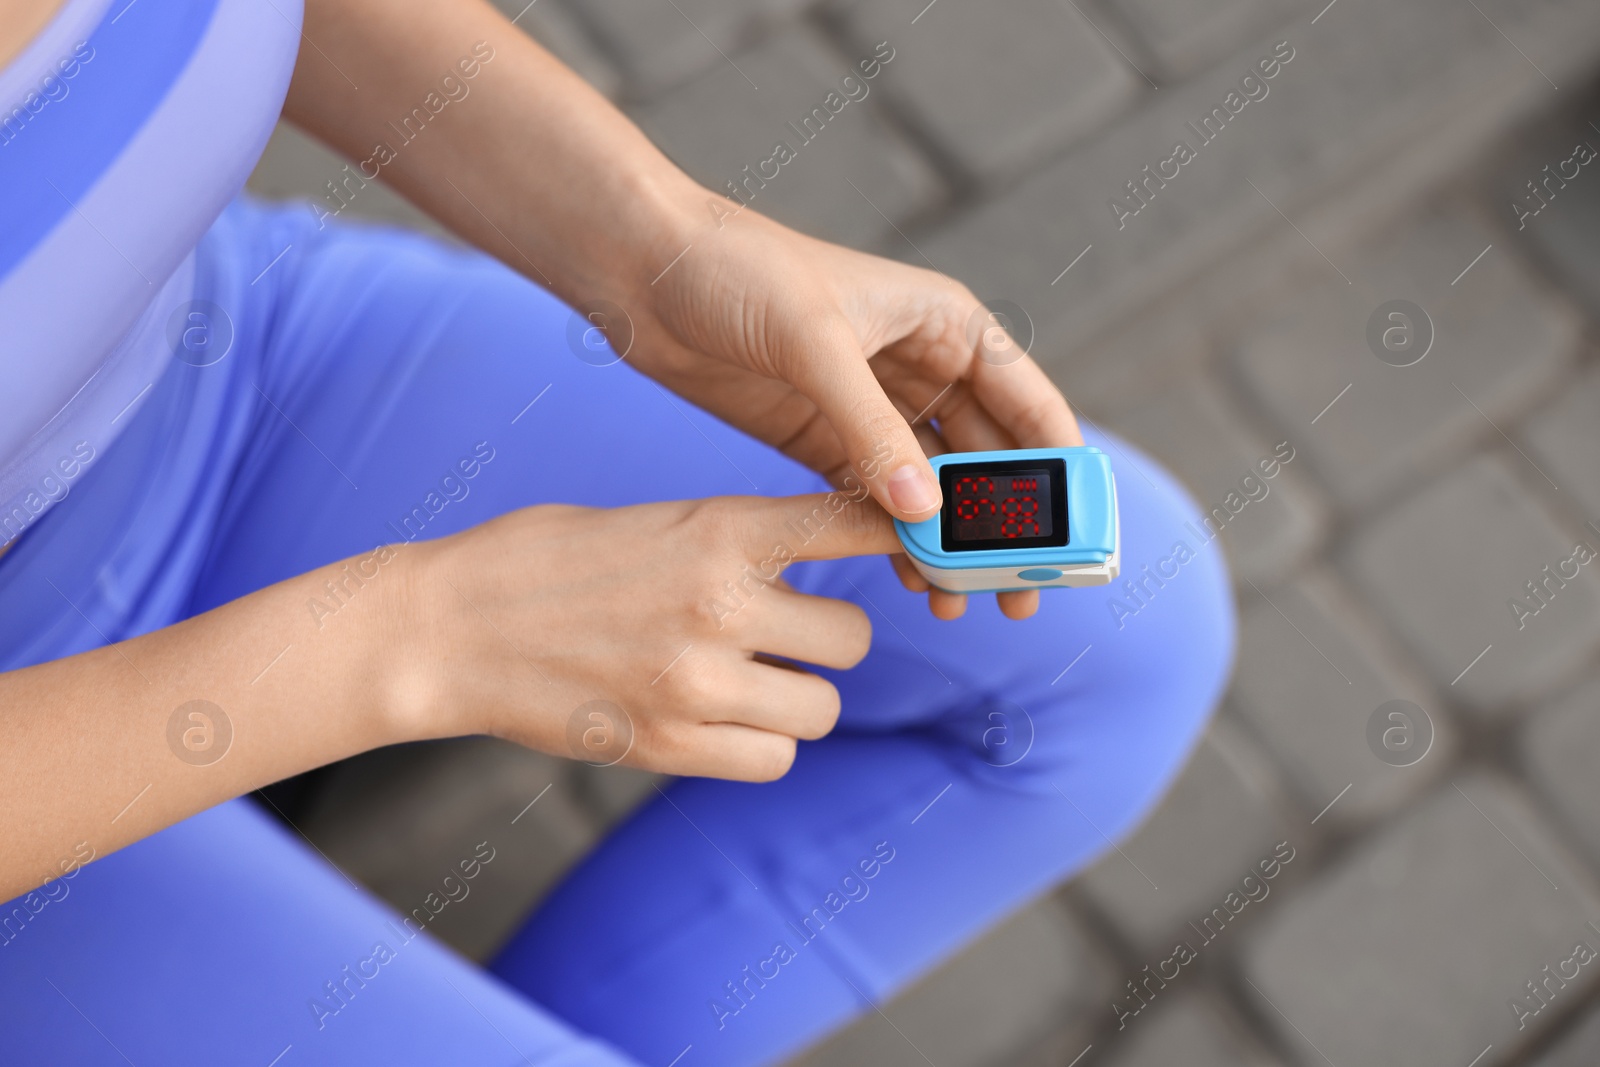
pixel 847 362
pixel 826 353
pixel 673 613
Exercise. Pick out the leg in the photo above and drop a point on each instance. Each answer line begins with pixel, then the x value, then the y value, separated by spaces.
pixel 388 387
pixel 362 358
pixel 385 361
pixel 977 763
pixel 224 940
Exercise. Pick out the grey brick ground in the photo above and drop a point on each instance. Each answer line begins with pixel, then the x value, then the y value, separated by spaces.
pixel 1559 748
pixel 1268 524
pixel 717 125
pixel 1019 983
pixel 1396 422
pixel 1565 439
pixel 1189 1030
pixel 1444 566
pixel 996 85
pixel 296 167
pixel 1308 681
pixel 1183 36
pixel 658 45
pixel 609 793
pixel 1563 232
pixel 1222 816
pixel 1411 949
pixel 1370 82
pixel 402 819
pixel 1580 1047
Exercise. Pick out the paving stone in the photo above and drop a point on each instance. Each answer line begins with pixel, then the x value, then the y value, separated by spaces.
pixel 1579 1047
pixel 1184 36
pixel 1390 423
pixel 659 45
pixel 717 126
pixel 1031 973
pixel 1412 949
pixel 554 26
pixel 611 793
pixel 1565 230
pixel 1446 566
pixel 1121 371
pixel 1565 439
pixel 1559 748
pixel 400 819
pixel 1220 819
pixel 1267 524
pixel 1369 86
pixel 998 84
pixel 1309 680
pixel 1189 1030
pixel 296 167
pixel 1568 234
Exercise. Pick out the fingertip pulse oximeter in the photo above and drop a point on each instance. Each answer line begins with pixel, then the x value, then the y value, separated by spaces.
pixel 1026 518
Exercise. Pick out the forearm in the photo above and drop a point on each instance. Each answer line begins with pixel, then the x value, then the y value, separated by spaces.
pixel 522 158
pixel 92 759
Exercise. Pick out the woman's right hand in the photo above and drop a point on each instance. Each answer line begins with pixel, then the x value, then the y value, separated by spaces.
pixel 673 612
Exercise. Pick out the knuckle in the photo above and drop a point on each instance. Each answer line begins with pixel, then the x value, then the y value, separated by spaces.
pixel 663 747
pixel 875 419
pixel 714 520
pixel 710 612
pixel 694 688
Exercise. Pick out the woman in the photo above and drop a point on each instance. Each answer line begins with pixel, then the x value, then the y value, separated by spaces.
pixel 278 490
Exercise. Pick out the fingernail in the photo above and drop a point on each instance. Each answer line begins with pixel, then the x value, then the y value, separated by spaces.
pixel 911 490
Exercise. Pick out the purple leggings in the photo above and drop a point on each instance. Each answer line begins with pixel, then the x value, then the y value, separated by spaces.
pixel 976 764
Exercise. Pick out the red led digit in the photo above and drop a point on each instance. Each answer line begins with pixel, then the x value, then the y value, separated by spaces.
pixel 998 507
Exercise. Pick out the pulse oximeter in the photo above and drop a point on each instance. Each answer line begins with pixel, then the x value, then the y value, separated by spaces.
pixel 1025 518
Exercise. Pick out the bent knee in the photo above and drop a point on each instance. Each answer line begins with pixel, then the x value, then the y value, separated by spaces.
pixel 1170 612
pixel 1124 677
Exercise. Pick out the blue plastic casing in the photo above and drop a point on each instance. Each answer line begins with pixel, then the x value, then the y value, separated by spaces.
pixel 1090 556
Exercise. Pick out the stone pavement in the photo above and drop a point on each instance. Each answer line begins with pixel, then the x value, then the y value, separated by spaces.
pixel 1434 896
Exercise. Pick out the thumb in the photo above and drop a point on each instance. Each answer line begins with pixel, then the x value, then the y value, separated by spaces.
pixel 823 526
pixel 879 444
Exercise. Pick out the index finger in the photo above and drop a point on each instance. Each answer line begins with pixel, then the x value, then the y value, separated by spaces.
pixel 875 435
pixel 824 526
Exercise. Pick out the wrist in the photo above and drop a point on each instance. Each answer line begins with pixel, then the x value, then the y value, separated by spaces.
pixel 401 663
pixel 666 213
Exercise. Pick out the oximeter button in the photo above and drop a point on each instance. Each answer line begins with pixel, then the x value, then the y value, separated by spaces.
pixel 1039 574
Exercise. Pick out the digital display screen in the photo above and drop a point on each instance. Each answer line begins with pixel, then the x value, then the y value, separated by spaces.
pixel 1017 504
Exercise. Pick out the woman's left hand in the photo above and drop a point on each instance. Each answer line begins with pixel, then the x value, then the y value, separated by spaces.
pixel 849 363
